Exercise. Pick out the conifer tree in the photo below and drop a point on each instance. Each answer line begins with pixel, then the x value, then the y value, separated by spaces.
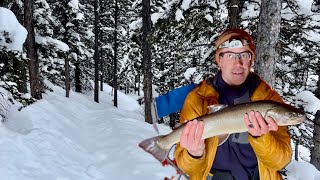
pixel 184 38
pixel 107 25
pixel 51 49
pixel 76 31
pixel 123 41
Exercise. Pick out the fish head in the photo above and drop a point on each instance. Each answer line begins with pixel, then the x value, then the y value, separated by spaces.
pixel 285 114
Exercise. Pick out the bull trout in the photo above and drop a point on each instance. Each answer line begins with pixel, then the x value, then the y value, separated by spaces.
pixel 228 120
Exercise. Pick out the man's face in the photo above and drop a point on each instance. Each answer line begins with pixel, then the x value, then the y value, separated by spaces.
pixel 235 64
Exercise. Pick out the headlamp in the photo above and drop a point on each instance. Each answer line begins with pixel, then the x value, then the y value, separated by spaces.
pixel 234 43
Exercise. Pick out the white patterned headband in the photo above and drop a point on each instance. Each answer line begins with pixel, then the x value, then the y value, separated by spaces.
pixel 234 43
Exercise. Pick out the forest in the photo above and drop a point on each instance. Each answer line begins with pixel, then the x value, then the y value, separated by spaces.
pixel 147 46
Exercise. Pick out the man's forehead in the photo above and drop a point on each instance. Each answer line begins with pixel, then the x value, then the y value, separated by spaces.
pixel 234 50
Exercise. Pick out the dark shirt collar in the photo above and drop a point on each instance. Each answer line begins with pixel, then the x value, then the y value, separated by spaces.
pixel 228 93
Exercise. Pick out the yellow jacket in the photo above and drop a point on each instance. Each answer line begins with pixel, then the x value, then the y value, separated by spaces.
pixel 273 150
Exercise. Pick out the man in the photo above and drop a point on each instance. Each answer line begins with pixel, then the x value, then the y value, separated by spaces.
pixel 257 154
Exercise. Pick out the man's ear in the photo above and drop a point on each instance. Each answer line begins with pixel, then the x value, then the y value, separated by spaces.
pixel 252 63
pixel 218 62
pixel 251 67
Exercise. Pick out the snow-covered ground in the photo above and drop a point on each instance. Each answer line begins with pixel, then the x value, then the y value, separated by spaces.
pixel 59 138
pixel 74 138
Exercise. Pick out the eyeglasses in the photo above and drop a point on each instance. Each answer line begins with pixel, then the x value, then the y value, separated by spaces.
pixel 233 56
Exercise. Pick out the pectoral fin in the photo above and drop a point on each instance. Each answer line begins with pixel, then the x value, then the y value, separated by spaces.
pixel 223 138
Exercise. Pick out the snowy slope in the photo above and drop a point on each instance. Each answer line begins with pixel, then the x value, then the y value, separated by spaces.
pixel 62 138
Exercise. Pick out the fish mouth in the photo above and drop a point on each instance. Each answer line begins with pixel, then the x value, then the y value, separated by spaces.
pixel 300 119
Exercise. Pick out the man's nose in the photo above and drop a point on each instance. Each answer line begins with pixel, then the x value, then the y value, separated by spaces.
pixel 237 56
pixel 238 59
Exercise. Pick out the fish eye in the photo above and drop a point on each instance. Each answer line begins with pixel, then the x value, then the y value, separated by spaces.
pixel 292 115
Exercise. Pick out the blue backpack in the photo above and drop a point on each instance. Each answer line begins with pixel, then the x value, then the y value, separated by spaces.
pixel 172 101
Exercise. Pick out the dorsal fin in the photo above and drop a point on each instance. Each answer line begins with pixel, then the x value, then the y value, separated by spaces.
pixel 216 107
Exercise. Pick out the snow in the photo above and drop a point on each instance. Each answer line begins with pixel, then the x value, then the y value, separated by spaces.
pixel 76 138
pixel 305 6
pixel 179 15
pixel 311 102
pixel 250 12
pixel 136 24
pixel 155 17
pixel 209 18
pixel 80 16
pixel 306 9
pixel 189 72
pixel 74 4
pixel 17 34
pixel 185 4
pixel 50 41
pixel 298 170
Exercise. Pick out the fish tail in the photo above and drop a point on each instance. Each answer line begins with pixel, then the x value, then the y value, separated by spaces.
pixel 150 146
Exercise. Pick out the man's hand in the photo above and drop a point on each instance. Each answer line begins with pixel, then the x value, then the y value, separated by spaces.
pixel 257 125
pixel 191 138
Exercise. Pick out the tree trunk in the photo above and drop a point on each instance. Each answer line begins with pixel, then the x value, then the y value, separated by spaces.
pixel 235 8
pixel 115 62
pixel 315 151
pixel 135 85
pixel 22 83
pixel 146 58
pixel 139 83
pixel 67 74
pixel 35 84
pixel 101 64
pixel 77 74
pixel 296 150
pixel 268 39
pixel 65 21
pixel 96 52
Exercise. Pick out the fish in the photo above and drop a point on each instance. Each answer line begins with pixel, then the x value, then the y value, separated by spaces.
pixel 226 120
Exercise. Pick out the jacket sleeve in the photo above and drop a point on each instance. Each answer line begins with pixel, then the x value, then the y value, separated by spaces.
pixel 194 106
pixel 272 149
pixel 185 162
